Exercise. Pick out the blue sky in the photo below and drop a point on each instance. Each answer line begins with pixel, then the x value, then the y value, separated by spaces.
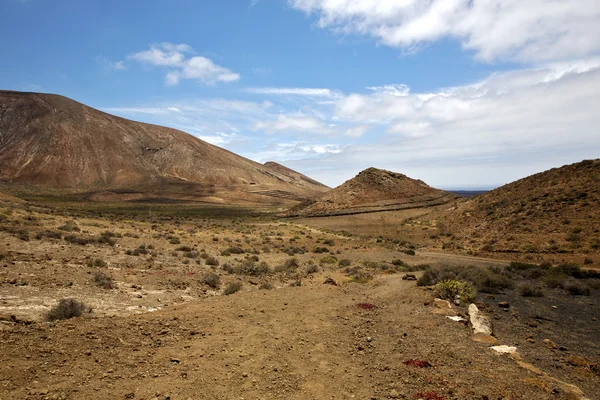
pixel 461 94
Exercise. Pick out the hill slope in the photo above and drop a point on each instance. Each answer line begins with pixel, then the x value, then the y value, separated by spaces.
pixel 555 211
pixel 373 190
pixel 49 142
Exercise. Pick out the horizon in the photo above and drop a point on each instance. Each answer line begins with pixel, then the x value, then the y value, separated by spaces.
pixel 461 96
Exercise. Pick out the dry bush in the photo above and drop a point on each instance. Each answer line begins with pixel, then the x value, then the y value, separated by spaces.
pixel 232 287
pixel 104 281
pixel 66 309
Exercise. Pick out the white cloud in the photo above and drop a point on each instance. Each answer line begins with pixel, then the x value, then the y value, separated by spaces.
pixel 110 65
pixel 174 56
pixel 290 124
pixel 523 30
pixel 283 91
pixel 395 90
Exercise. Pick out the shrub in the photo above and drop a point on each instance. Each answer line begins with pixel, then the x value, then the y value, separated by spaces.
pixel 328 260
pixel 227 267
pixel 104 281
pixel 232 287
pixel 576 288
pixel 320 250
pixel 250 267
pixel 344 262
pixel 184 248
pixel 588 261
pixel 329 242
pixel 311 269
pixel 212 261
pixel 65 309
pixel 556 280
pixel 453 289
pixel 232 250
pixel 96 263
pixel 23 235
pixel 531 290
pixel 410 252
pixel 69 226
pixel 266 286
pixel 49 235
pixel 212 280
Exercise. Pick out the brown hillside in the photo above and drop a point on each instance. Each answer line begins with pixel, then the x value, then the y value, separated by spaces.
pixel 49 141
pixel 373 190
pixel 556 211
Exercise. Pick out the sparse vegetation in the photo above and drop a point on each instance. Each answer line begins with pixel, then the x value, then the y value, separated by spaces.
pixel 232 287
pixel 66 309
pixel 104 281
pixel 212 280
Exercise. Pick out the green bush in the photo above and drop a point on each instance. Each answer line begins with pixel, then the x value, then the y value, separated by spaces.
pixel 454 289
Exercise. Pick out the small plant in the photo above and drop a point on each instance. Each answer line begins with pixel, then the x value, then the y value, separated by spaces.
pixel 98 262
pixel 344 262
pixel 530 290
pixel 311 269
pixel 417 363
pixel 266 286
pixel 328 260
pixel 576 288
pixel 66 309
pixel 329 242
pixel 320 250
pixel 366 306
pixel 212 280
pixel 409 252
pixel 232 287
pixel 104 281
pixel 69 226
pixel 453 289
pixel 212 261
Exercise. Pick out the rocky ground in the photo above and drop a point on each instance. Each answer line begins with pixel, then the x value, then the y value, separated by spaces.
pixel 162 330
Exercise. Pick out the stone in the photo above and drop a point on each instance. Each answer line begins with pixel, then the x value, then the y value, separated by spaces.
pixel 504 349
pixel 550 344
pixel 504 304
pixel 409 277
pixel 483 338
pixel 443 307
pixel 480 323
pixel 394 394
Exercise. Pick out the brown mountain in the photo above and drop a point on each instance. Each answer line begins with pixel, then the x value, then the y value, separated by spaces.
pixel 556 211
pixel 51 142
pixel 373 190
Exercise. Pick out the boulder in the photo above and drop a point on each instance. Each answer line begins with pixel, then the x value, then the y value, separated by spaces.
pixel 480 323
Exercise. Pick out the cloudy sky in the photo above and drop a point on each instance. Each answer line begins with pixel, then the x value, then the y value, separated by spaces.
pixel 458 93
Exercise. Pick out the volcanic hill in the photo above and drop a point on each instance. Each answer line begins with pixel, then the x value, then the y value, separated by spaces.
pixel 556 211
pixel 50 142
pixel 373 190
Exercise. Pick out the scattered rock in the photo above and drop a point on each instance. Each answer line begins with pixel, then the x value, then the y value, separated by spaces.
pixel 550 344
pixel 504 304
pixel 530 339
pixel 330 281
pixel 480 323
pixel 409 277
pixel 484 338
pixel 394 394
pixel 417 363
pixel 504 349
pixel 456 318
pixel 443 307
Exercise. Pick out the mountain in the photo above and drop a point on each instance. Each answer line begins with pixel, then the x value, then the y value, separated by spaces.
pixel 50 142
pixel 373 190
pixel 556 211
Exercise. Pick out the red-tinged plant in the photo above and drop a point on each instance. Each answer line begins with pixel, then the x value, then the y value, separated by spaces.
pixel 417 363
pixel 366 306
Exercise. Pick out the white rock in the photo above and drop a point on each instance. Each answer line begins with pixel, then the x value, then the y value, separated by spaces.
pixel 480 323
pixel 504 349
pixel 456 318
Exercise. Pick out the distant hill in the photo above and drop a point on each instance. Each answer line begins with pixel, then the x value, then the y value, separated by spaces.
pixel 373 190
pixel 556 211
pixel 49 142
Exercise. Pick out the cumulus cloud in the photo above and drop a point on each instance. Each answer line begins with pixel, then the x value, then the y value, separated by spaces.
pixel 523 30
pixel 182 66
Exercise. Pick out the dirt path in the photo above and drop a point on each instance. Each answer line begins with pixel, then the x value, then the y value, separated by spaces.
pixel 309 342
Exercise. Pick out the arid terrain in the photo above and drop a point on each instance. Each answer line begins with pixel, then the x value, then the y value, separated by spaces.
pixel 138 262
pixel 315 311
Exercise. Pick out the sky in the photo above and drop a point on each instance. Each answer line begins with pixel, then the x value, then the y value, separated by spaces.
pixel 463 94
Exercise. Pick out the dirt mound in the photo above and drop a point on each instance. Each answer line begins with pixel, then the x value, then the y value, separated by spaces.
pixel 373 190
pixel 555 211
pixel 52 142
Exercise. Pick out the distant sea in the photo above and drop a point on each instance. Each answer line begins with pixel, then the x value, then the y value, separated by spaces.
pixel 468 193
